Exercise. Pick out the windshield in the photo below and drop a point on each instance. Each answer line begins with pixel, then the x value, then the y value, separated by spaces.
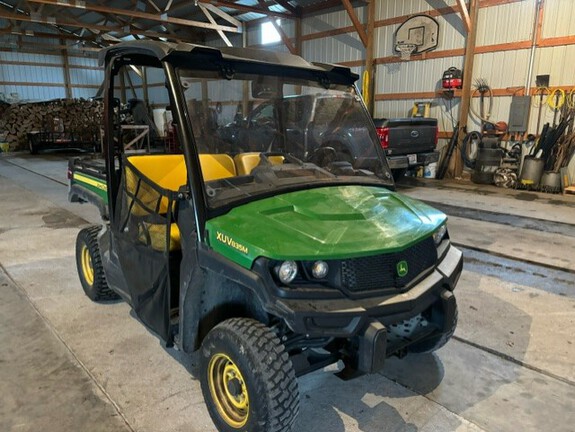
pixel 260 135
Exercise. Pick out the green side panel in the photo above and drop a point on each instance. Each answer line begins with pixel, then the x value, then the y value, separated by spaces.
pixel 325 223
pixel 92 184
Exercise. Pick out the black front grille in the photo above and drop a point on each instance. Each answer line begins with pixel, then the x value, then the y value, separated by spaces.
pixel 381 271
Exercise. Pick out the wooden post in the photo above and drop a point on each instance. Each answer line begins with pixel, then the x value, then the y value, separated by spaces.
pixel 455 164
pixel 369 55
pixel 298 41
pixel 246 86
pixel 66 64
pixel 358 26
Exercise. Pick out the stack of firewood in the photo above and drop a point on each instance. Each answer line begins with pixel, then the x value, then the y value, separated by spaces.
pixel 78 116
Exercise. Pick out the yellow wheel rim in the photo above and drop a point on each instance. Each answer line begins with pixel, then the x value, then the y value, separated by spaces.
pixel 87 268
pixel 228 390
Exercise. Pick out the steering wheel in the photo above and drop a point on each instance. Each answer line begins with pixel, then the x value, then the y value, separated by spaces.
pixel 323 156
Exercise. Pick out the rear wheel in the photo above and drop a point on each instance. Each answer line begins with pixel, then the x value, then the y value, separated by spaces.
pixel 247 378
pixel 89 265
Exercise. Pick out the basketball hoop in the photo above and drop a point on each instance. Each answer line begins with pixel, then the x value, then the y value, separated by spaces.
pixel 405 50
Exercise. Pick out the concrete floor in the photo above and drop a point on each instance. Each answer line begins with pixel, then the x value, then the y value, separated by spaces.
pixel 67 364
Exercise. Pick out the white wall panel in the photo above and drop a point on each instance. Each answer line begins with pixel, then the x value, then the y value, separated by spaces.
pixel 512 22
pixel 558 63
pixel 86 77
pixel 502 69
pixel 390 9
pixel 35 74
pixel 558 18
pixel 337 49
pixel 413 76
pixel 34 93
pixel 328 21
pixel 15 56
pixel 83 61
pixel 451 32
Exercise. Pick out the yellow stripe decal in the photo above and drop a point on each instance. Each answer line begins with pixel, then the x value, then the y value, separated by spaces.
pixel 92 182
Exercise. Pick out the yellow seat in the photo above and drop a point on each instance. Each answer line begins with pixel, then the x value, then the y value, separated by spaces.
pixel 169 172
pixel 246 162
pixel 217 166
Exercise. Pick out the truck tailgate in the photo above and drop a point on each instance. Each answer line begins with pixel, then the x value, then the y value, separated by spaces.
pixel 411 135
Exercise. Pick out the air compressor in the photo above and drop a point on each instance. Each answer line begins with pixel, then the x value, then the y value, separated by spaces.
pixel 452 79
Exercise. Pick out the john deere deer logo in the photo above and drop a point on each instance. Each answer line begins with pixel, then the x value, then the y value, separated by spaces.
pixel 402 268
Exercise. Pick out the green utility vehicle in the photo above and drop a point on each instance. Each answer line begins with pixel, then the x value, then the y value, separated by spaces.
pixel 271 261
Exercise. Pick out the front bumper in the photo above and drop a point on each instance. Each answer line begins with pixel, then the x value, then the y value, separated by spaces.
pixel 346 318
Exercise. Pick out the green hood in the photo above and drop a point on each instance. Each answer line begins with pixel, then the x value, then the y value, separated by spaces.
pixel 325 223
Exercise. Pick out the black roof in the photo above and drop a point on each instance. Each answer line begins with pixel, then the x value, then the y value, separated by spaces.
pixel 165 50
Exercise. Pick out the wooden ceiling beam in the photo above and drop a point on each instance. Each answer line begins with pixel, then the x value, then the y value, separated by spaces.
pixel 52 47
pixel 220 13
pixel 293 10
pixel 263 9
pixel 321 6
pixel 464 15
pixel 356 23
pixel 209 16
pixel 33 18
pixel 98 28
pixel 45 35
pixel 163 18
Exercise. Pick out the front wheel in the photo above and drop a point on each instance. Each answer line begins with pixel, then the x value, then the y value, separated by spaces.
pixel 247 378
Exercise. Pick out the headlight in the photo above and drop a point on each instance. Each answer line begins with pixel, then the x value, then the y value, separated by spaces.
pixel 439 234
pixel 319 269
pixel 287 271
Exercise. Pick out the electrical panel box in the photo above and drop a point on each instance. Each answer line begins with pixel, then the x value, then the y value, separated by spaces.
pixel 519 113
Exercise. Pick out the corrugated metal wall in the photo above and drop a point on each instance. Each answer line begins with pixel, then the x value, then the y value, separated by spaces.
pixel 340 48
pixel 505 23
pixel 85 76
pixel 14 77
pixel 36 77
pixel 559 18
pixel 509 22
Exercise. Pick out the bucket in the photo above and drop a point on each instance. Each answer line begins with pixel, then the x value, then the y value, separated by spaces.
pixel 430 170
pixel 551 182
pixel 486 163
pixel 531 172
